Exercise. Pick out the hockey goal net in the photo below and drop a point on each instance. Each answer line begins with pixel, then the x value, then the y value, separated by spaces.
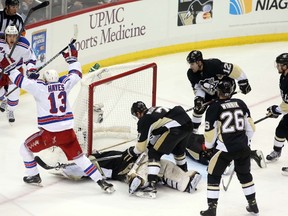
pixel 102 110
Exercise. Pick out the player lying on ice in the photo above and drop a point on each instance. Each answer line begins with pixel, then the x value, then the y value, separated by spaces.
pixel 125 166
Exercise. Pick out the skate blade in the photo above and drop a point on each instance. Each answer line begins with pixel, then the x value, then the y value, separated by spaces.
pixel 35 184
pixel 285 171
pixel 147 195
pixel 195 181
pixel 110 190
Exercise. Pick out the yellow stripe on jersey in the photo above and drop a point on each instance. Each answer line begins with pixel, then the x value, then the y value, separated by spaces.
pixel 236 73
pixel 284 107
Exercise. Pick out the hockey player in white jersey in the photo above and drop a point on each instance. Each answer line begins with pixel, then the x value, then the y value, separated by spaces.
pixel 23 54
pixel 55 118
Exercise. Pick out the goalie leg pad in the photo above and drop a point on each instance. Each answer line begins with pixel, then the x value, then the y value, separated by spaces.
pixel 174 176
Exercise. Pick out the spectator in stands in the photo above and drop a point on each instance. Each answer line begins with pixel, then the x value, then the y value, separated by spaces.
pixel 25 6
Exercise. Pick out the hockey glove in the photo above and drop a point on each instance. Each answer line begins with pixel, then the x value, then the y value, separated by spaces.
pixel 7 64
pixel 244 86
pixel 129 154
pixel 199 108
pixel 71 55
pixel 273 111
pixel 159 131
pixel 32 73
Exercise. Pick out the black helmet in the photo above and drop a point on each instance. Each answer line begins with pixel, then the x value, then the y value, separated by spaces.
pixel 138 106
pixel 193 56
pixel 12 2
pixel 226 86
pixel 282 59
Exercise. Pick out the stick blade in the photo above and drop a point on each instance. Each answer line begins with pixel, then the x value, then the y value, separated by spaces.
pixel 42 5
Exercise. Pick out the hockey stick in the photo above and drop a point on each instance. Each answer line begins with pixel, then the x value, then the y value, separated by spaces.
pixel 73 40
pixel 118 144
pixel 225 187
pixel 63 166
pixel 37 7
pixel 261 119
pixel 209 102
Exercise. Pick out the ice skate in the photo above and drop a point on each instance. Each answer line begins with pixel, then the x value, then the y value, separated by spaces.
pixel 33 180
pixel 285 171
pixel 10 116
pixel 147 192
pixel 3 105
pixel 252 207
pixel 107 187
pixel 211 211
pixel 273 156
pixel 134 184
pixel 191 187
pixel 258 156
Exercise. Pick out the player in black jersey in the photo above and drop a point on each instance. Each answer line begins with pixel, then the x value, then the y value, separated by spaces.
pixel 162 131
pixel 229 126
pixel 204 75
pixel 281 132
pixel 9 15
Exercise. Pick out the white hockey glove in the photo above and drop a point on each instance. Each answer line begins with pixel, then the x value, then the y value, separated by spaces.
pixel 71 55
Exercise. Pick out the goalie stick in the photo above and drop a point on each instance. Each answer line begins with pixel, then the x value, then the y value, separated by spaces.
pixel 73 40
pixel 63 166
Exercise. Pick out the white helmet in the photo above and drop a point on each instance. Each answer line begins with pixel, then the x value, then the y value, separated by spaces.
pixel 51 76
pixel 11 30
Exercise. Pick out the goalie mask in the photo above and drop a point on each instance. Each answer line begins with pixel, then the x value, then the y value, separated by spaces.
pixel 138 106
pixel 51 76
pixel 226 86
pixel 194 56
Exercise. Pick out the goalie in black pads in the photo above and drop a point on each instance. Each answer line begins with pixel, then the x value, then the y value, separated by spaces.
pixel 204 75
pixel 228 123
pixel 123 166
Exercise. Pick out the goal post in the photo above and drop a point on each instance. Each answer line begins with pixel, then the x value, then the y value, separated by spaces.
pixel 103 106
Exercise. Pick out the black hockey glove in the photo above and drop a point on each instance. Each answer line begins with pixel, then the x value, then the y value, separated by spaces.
pixel 32 73
pixel 199 108
pixel 244 86
pixel 273 112
pixel 129 154
pixel 159 131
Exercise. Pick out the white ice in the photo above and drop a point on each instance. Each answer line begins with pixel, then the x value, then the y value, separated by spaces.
pixel 63 197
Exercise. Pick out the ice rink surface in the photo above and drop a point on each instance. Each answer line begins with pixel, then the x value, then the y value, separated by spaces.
pixel 63 197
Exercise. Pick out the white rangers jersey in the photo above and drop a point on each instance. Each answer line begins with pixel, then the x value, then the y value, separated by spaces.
pixel 23 53
pixel 53 109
